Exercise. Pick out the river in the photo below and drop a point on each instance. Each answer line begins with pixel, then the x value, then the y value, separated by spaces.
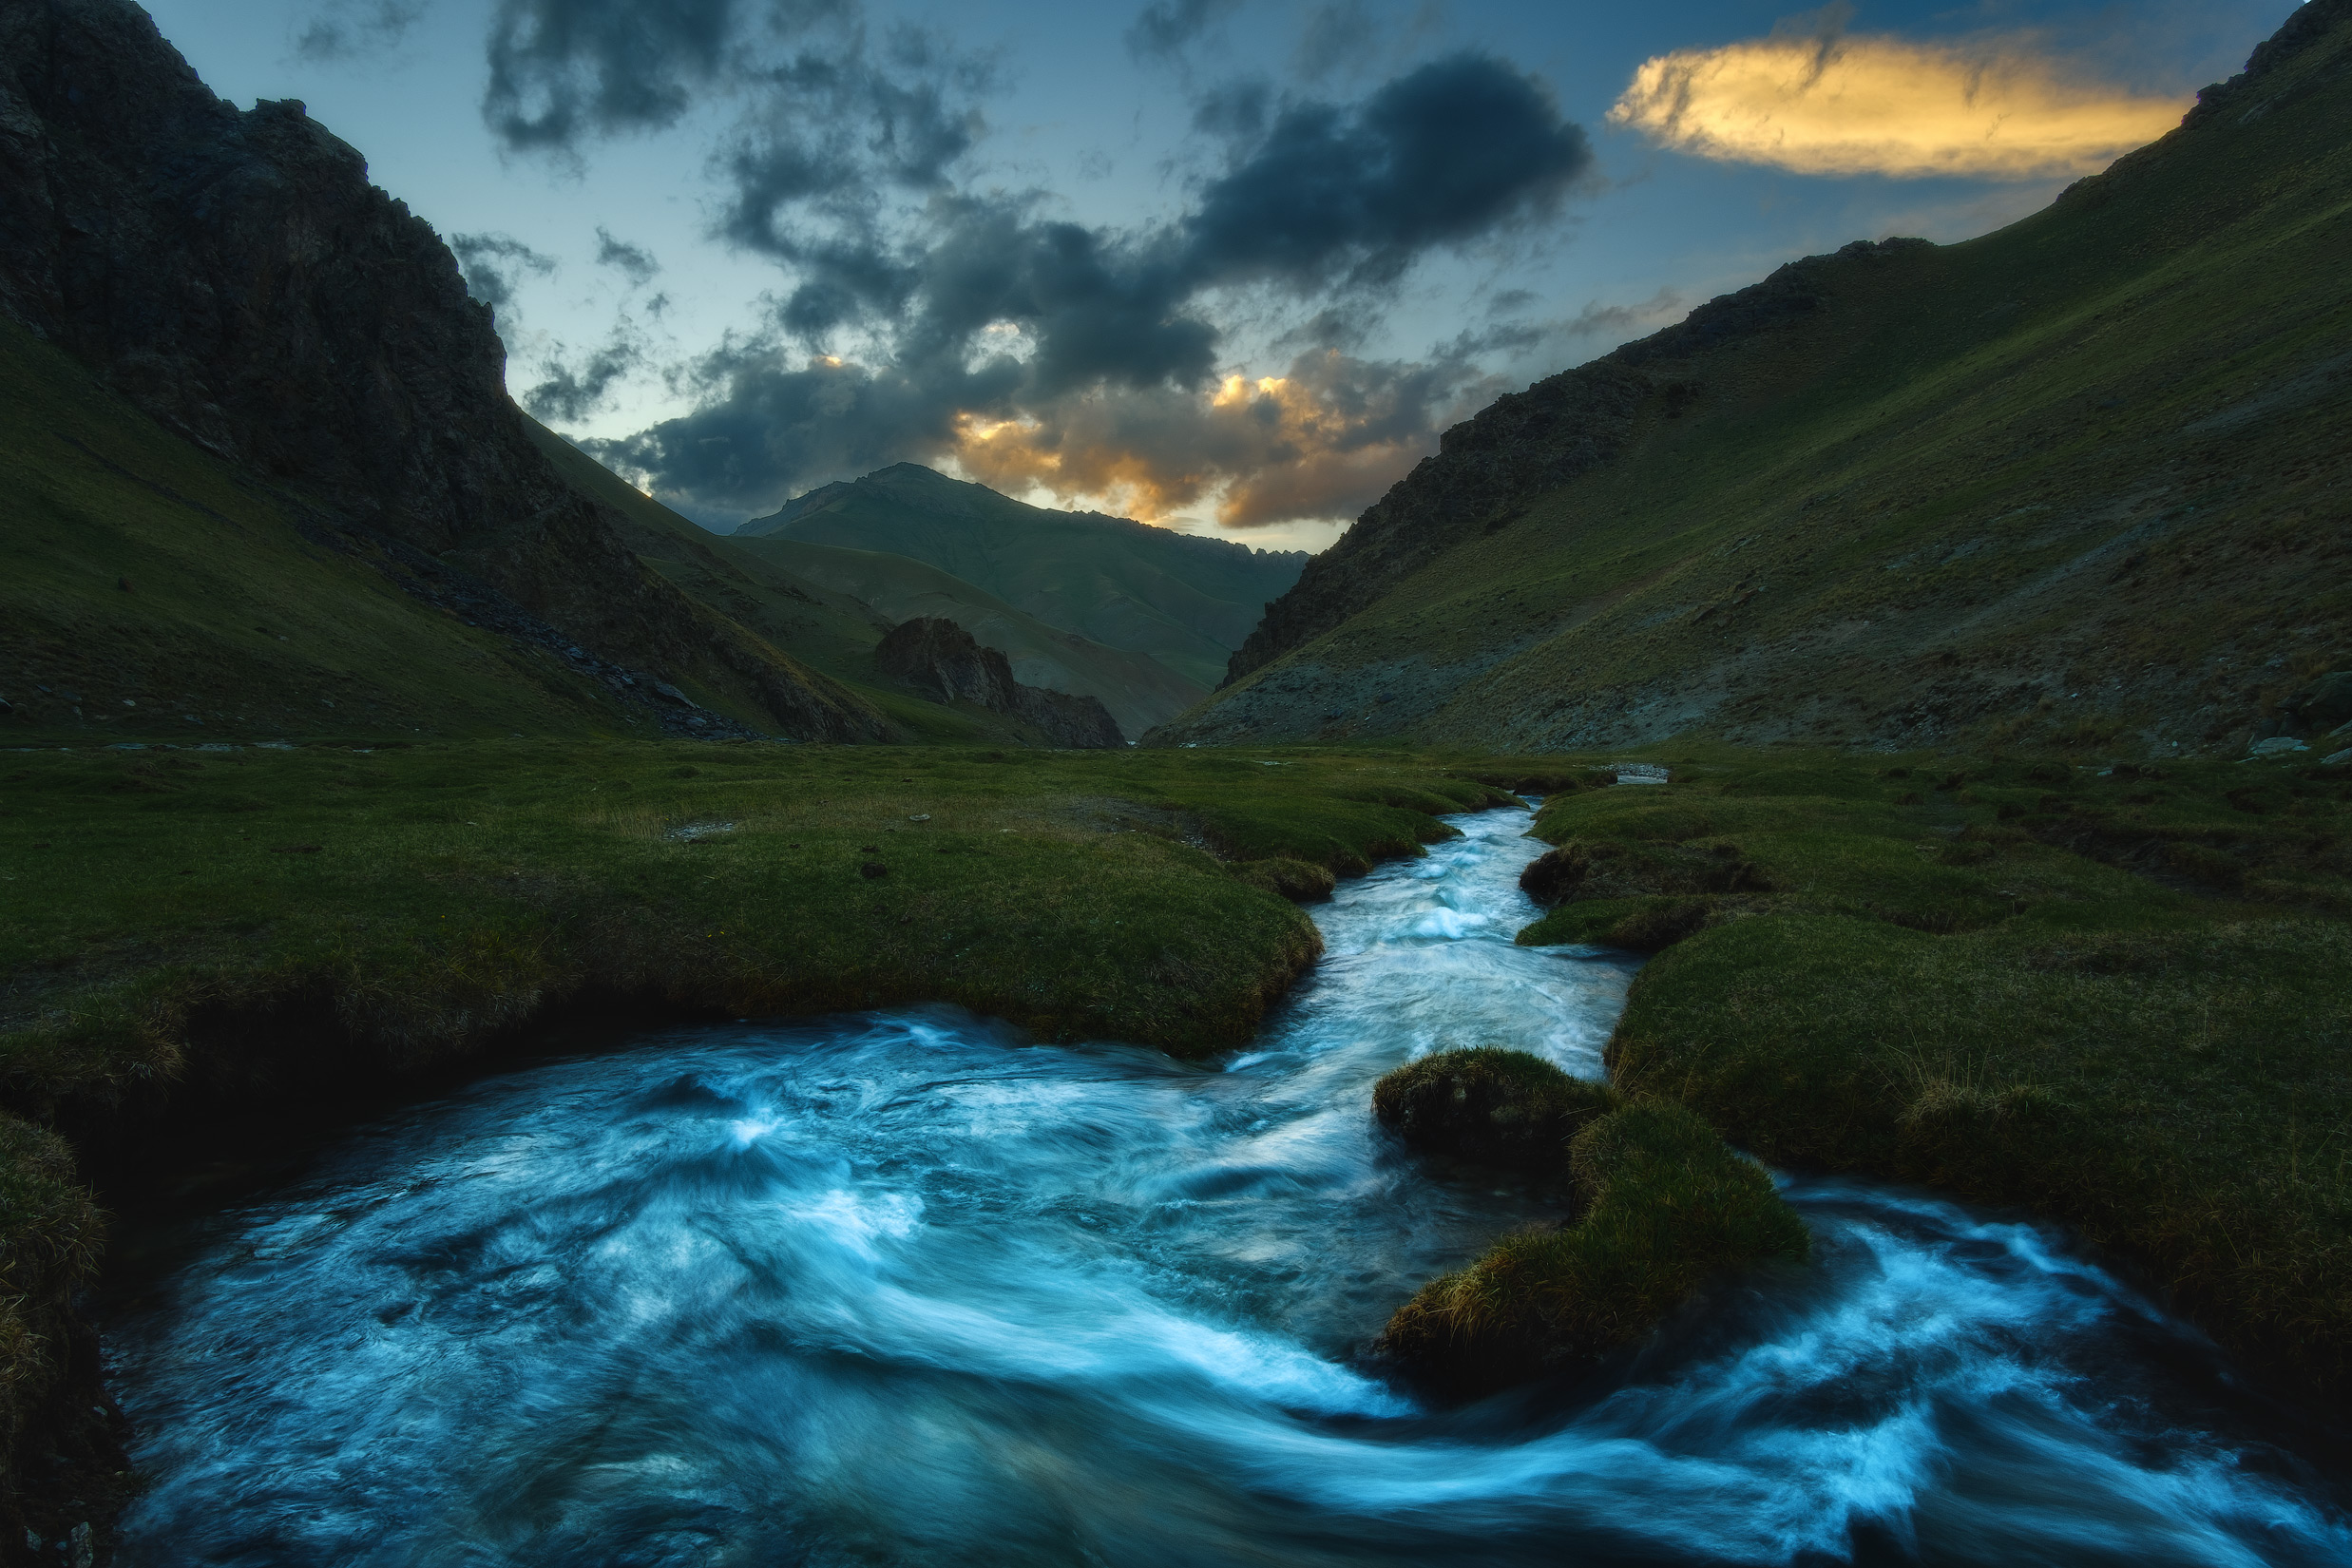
pixel 900 1288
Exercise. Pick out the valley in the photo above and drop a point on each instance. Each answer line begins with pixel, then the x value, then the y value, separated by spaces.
pixel 1772 925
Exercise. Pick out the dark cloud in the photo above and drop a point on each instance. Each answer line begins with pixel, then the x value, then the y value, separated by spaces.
pixel 1339 35
pixel 1237 111
pixel 829 132
pixel 571 392
pixel 492 263
pixel 345 30
pixel 1037 352
pixel 772 423
pixel 1445 155
pixel 634 262
pixel 566 71
pixel 1165 29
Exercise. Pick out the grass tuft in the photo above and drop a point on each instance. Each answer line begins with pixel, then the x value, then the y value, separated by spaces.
pixel 1495 1106
pixel 1670 1210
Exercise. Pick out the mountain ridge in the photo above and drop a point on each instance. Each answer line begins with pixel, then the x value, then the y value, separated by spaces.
pixel 235 275
pixel 1184 600
pixel 2076 481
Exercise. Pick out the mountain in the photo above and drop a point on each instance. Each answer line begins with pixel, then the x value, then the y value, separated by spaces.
pixel 234 279
pixel 946 664
pixel 1186 602
pixel 2080 481
pixel 831 608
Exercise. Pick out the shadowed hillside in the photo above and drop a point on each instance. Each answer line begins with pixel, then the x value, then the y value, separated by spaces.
pixel 2082 481
pixel 232 277
pixel 1186 602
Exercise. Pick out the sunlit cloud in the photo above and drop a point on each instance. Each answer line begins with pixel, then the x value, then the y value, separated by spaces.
pixel 1320 442
pixel 1874 104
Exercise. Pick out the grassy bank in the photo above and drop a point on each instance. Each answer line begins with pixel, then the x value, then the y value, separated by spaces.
pixel 2120 998
pixel 183 930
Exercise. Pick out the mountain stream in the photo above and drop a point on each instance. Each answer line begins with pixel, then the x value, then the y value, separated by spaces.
pixel 902 1289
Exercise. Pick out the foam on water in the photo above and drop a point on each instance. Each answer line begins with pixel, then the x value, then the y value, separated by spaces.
pixel 904 1289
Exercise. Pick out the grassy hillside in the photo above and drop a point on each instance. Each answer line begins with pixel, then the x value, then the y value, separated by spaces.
pixel 150 589
pixel 1186 602
pixel 2082 481
pixel 823 619
pixel 1139 690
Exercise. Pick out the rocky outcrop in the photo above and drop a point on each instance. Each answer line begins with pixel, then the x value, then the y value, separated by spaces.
pixel 942 661
pixel 236 276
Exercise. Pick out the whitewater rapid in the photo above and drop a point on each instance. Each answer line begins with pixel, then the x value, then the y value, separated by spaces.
pixel 902 1288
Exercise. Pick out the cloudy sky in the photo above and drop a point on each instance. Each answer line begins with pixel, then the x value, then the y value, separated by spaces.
pixel 1226 267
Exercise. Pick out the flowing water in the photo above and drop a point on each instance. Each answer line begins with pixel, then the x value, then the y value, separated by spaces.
pixel 901 1289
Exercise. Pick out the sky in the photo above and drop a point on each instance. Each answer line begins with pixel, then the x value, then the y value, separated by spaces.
pixel 1226 267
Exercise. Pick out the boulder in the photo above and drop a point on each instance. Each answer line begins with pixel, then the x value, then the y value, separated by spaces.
pixel 942 660
pixel 2324 703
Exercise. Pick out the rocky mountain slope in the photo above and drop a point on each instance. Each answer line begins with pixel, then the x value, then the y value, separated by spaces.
pixel 234 277
pixel 1187 601
pixel 1139 691
pixel 2081 481
pixel 942 661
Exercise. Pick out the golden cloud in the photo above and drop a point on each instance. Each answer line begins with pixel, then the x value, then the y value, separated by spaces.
pixel 1866 104
pixel 1324 441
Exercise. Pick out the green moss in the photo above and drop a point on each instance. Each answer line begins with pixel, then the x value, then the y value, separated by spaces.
pixel 1670 1209
pixel 1495 1106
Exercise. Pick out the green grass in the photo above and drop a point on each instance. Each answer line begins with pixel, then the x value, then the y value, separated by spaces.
pixel 1668 1209
pixel 2124 1002
pixel 440 894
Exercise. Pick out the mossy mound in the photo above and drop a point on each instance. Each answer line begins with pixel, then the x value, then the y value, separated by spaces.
pixel 1670 1208
pixel 1498 1107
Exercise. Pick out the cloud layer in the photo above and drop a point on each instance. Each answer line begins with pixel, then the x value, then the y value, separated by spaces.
pixel 1866 104
pixel 1087 361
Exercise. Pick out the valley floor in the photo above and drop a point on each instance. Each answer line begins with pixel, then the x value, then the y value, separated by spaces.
pixel 2120 997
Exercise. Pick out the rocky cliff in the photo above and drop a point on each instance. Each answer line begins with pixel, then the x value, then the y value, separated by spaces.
pixel 942 660
pixel 236 276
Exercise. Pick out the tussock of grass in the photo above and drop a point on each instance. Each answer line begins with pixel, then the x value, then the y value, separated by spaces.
pixel 1498 1107
pixel 1670 1209
pixel 51 1236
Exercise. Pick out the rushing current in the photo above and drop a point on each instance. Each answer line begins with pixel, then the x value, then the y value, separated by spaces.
pixel 902 1288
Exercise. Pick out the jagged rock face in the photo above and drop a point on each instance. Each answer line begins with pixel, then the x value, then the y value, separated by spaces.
pixel 236 276
pixel 942 661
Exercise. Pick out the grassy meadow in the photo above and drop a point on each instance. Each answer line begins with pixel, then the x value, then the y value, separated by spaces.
pixel 2121 999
